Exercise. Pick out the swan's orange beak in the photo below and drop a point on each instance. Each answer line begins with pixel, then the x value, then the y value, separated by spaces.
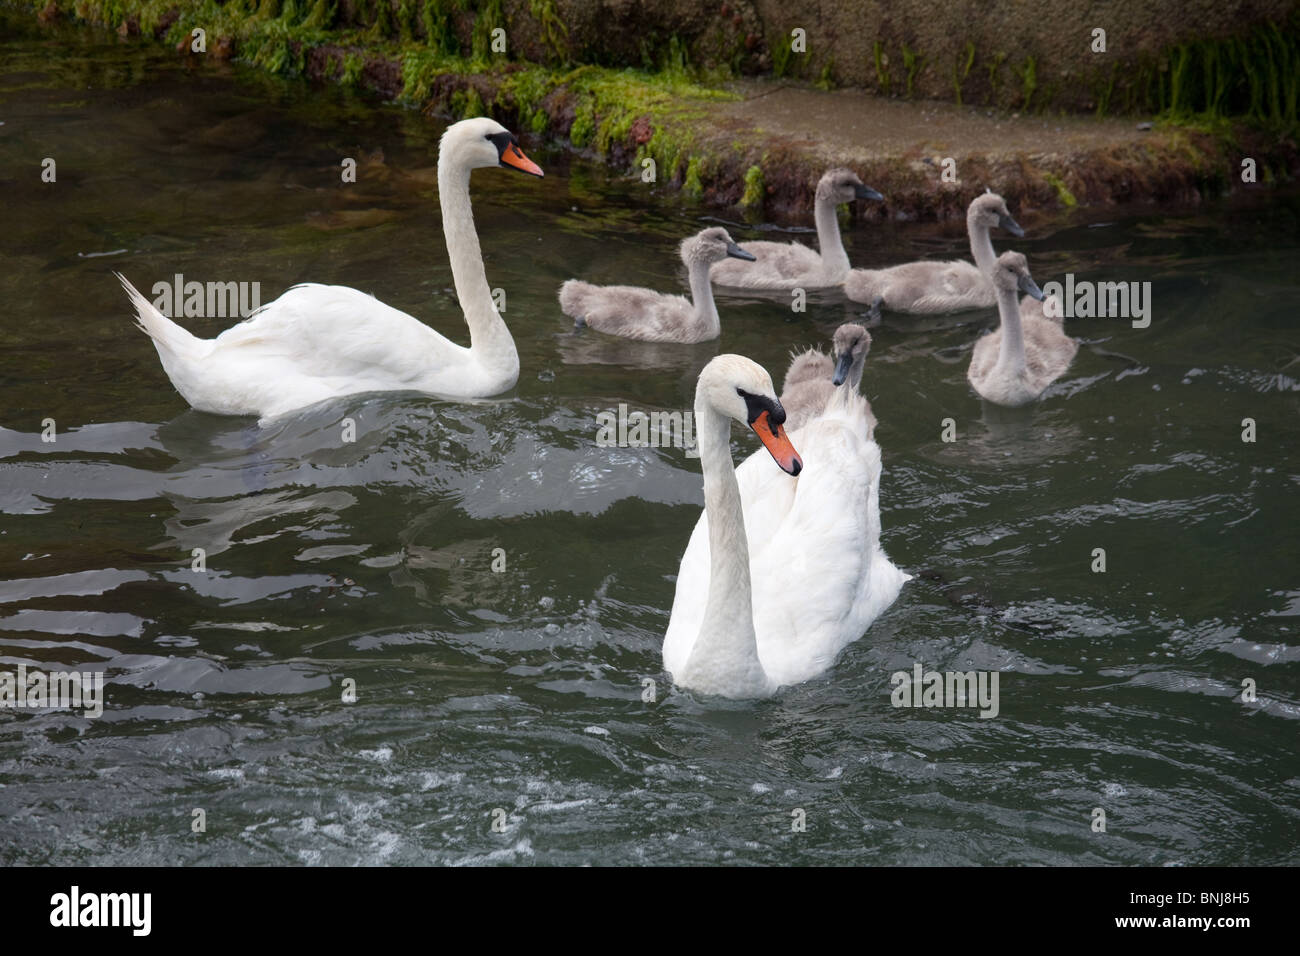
pixel 775 441
pixel 514 157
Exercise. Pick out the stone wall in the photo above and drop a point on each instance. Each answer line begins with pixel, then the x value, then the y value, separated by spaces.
pixel 1035 54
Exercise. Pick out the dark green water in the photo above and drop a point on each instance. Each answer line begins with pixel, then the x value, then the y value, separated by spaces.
pixel 522 690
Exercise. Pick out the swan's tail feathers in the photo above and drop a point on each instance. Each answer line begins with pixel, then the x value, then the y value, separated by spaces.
pixel 171 340
pixel 886 579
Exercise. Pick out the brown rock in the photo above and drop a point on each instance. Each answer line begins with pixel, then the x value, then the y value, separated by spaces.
pixel 641 131
pixel 165 23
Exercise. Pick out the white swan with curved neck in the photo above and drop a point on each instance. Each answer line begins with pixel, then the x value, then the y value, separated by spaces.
pixel 321 341
pixel 781 572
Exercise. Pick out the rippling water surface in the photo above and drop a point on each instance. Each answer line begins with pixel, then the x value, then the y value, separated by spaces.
pixel 521 691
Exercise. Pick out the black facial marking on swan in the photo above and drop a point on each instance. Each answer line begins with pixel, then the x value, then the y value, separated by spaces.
pixel 502 141
pixel 756 405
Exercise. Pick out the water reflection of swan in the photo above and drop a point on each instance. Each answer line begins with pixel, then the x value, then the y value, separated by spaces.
pixel 627 353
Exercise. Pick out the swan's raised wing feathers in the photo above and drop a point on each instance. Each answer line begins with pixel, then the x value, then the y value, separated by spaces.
pixel 822 552
pixel 334 331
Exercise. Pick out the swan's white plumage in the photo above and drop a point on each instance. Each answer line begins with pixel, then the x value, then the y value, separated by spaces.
pixel 819 576
pixel 317 342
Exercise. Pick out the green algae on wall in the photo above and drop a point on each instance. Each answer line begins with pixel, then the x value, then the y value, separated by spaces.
pixel 1251 74
pixel 595 106
pixel 1062 191
pixel 961 69
pixel 751 200
pixel 425 54
pixel 1256 76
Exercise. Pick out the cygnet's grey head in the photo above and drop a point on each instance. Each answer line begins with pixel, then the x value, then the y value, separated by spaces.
pixel 989 211
pixel 850 347
pixel 1011 274
pixel 842 185
pixel 711 245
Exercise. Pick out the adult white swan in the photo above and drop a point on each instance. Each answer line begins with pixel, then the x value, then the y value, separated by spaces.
pixel 321 341
pixel 781 572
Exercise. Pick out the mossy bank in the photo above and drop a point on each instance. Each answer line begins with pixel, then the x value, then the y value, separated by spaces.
pixel 714 102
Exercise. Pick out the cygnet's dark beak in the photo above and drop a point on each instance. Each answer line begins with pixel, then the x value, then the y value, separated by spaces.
pixel 736 252
pixel 1028 285
pixel 842 368
pixel 866 192
pixel 1011 226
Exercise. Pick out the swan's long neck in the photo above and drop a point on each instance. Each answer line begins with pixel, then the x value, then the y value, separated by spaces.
pixel 1011 357
pixel 855 371
pixel 849 391
pixel 834 258
pixel 725 654
pixel 981 246
pixel 706 310
pixel 489 339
